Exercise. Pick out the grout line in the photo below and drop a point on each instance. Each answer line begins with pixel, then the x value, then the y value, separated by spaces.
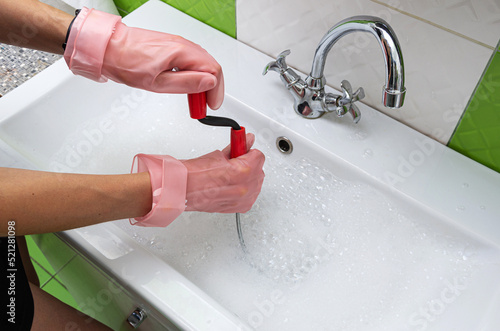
pixel 55 273
pixel 41 266
pixel 65 264
pixel 434 24
pixel 46 282
pixel 120 10
pixel 55 279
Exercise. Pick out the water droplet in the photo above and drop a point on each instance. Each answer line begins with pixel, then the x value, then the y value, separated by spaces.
pixel 368 153
pixel 465 185
pixel 360 135
pixel 460 208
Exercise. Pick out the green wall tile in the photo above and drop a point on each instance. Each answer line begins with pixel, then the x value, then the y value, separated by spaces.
pixel 478 133
pixel 57 289
pixel 46 273
pixel 41 272
pixel 49 242
pixel 128 6
pixel 37 255
pixel 220 14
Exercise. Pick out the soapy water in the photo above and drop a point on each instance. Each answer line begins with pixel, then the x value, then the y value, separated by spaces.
pixel 322 252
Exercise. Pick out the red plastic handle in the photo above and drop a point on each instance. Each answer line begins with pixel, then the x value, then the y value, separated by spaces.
pixel 238 142
pixel 198 110
pixel 197 105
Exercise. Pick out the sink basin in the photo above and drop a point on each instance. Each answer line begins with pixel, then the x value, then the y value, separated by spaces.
pixel 362 226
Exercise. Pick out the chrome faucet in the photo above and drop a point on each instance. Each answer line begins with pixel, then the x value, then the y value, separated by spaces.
pixel 311 101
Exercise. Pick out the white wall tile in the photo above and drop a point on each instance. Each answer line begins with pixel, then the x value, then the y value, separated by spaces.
pixel 476 19
pixel 442 68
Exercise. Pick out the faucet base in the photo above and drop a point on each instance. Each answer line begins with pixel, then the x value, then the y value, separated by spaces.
pixel 315 83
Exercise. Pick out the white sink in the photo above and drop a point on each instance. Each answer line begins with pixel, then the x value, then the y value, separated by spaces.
pixel 363 226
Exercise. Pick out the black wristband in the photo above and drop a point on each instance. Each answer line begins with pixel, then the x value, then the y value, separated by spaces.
pixel 69 29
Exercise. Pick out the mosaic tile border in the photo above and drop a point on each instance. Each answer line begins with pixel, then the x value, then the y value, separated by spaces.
pixel 18 64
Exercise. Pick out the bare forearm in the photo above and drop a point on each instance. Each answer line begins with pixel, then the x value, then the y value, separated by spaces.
pixel 41 202
pixel 33 24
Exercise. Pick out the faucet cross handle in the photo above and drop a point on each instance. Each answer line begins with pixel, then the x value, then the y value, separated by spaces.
pixel 291 79
pixel 279 65
pixel 346 101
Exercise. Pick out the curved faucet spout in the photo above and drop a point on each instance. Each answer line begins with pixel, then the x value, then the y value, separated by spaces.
pixel 310 97
pixel 394 89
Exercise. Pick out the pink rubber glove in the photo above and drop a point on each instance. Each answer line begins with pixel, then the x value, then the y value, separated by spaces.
pixel 101 47
pixel 211 183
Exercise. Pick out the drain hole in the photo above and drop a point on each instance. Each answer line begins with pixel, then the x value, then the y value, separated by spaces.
pixel 284 145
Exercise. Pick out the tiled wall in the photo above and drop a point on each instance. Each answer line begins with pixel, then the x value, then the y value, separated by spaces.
pixel 445 50
pixel 447 44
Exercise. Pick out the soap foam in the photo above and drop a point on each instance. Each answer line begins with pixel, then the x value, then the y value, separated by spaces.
pixel 342 257
pixel 323 252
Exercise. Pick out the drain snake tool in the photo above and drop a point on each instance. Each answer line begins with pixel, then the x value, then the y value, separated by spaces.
pixel 198 110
